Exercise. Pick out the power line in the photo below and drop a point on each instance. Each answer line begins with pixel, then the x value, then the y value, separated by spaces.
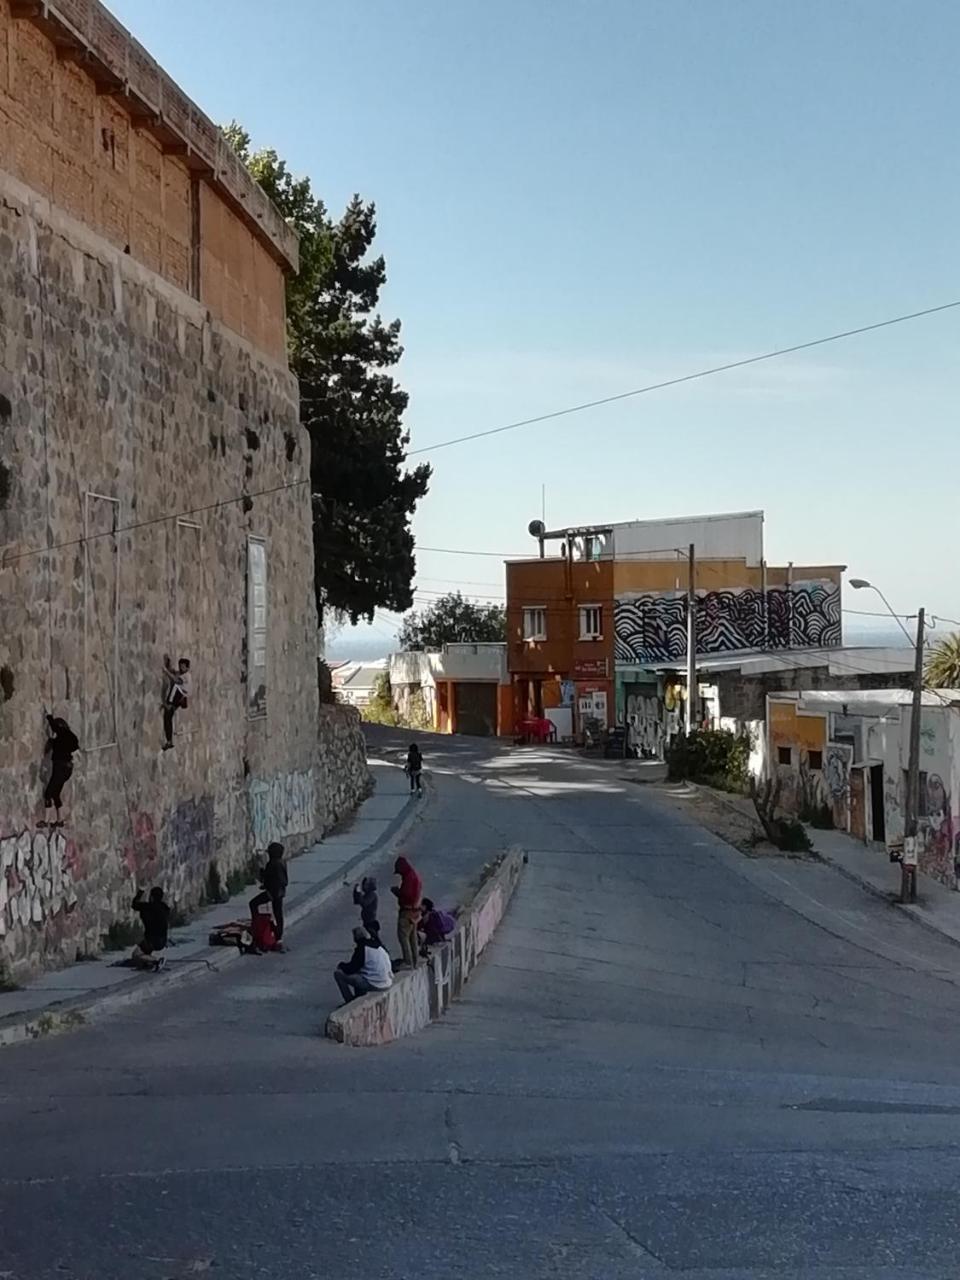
pixel 144 524
pixel 497 555
pixel 471 582
pixel 688 377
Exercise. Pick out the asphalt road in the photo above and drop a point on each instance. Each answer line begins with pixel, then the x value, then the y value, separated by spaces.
pixel 674 1060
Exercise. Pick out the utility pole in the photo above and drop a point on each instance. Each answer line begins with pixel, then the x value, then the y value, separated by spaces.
pixel 692 695
pixel 908 864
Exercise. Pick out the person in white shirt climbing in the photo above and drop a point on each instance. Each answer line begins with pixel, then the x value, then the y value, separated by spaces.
pixel 175 694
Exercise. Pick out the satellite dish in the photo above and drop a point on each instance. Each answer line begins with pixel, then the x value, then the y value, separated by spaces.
pixel 536 528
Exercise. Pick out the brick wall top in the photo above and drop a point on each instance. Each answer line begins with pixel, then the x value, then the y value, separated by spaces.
pixel 85 32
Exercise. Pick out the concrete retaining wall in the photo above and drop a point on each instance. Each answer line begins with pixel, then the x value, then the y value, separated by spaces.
pixel 422 994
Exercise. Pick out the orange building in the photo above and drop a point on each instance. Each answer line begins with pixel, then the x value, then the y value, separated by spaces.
pixel 603 621
pixel 560 638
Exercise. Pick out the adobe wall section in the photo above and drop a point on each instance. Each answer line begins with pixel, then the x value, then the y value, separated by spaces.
pixel 88 120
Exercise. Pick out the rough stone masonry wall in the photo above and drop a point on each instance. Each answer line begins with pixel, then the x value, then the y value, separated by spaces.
pixel 343 776
pixel 115 383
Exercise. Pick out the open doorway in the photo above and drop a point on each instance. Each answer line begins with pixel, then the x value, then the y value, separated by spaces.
pixel 876 803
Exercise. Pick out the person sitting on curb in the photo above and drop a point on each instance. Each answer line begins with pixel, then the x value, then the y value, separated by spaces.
pixel 155 917
pixel 366 898
pixel 435 925
pixel 368 969
pixel 408 894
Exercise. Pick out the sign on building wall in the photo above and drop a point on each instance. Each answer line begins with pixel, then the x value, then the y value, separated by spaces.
pixel 590 669
pixel 256 627
pixel 652 627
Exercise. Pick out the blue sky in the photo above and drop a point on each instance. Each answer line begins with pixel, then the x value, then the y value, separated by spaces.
pixel 578 198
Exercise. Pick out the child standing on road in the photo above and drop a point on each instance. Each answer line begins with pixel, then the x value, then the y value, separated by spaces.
pixel 414 768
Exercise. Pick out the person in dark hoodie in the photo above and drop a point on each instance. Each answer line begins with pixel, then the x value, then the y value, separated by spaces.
pixel 408 894
pixel 273 880
pixel 368 969
pixel 155 917
pixel 414 769
pixel 365 897
pixel 61 745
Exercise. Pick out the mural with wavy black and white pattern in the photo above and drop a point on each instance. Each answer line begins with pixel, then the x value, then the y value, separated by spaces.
pixel 653 627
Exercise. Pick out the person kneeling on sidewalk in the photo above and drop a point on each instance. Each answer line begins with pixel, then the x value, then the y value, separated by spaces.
pixel 155 917
pixel 263 930
pixel 368 969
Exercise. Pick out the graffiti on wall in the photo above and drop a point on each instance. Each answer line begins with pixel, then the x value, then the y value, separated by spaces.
pixel 836 779
pixel 653 627
pixel 646 726
pixel 936 828
pixel 36 878
pixel 284 806
pixel 188 832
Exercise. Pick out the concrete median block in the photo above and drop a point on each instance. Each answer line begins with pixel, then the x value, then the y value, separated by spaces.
pixel 420 995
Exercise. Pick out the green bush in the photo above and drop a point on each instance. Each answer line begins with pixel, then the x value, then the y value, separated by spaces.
pixel 380 708
pixel 418 717
pixel 248 873
pixel 715 757
pixel 793 837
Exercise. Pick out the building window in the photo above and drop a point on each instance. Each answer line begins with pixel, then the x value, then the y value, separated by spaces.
pixel 591 622
pixel 815 759
pixel 256 628
pixel 784 755
pixel 534 624
pixel 923 799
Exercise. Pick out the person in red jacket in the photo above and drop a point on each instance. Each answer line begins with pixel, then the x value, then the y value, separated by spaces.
pixel 408 894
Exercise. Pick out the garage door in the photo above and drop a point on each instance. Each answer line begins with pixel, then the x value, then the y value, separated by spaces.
pixel 476 709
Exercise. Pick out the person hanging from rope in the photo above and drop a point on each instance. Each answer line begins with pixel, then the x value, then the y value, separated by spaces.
pixel 60 746
pixel 175 694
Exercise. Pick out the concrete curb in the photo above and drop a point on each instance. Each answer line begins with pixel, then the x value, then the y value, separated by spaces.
pixel 884 895
pixel 419 996
pixel 888 896
pixel 77 1011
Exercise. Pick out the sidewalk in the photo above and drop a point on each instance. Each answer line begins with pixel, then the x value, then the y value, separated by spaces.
pixel 77 994
pixel 936 908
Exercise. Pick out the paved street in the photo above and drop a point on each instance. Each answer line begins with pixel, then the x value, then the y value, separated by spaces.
pixel 673 1060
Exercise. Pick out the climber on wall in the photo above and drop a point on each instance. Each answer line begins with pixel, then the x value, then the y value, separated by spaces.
pixel 175 694
pixel 60 746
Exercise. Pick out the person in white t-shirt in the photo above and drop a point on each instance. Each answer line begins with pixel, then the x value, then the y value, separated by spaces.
pixel 175 694
pixel 368 969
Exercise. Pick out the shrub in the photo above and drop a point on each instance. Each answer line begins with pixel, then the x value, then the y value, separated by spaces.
pixel 715 757
pixel 792 837
pixel 380 708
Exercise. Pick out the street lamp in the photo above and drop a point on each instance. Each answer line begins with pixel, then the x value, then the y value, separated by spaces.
pixel 908 864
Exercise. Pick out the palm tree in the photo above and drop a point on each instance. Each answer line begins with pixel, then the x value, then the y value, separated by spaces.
pixel 942 670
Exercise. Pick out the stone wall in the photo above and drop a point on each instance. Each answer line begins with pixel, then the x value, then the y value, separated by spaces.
pixel 343 777
pixel 137 436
